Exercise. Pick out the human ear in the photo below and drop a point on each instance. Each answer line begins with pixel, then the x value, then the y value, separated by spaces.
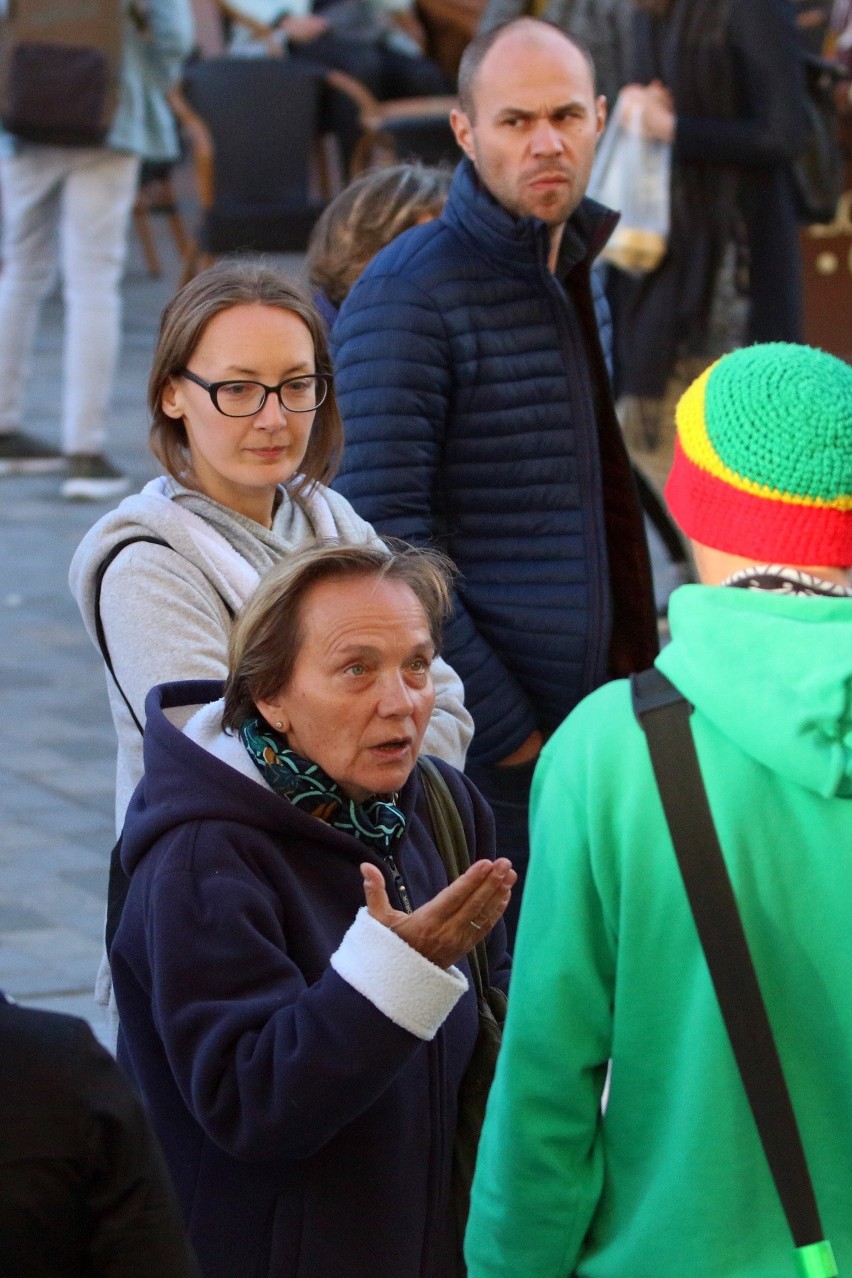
pixel 274 714
pixel 601 113
pixel 461 126
pixel 171 399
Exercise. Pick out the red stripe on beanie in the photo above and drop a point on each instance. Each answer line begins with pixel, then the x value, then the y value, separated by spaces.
pixel 769 531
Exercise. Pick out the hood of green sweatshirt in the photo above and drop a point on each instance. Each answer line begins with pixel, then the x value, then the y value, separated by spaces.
pixel 773 673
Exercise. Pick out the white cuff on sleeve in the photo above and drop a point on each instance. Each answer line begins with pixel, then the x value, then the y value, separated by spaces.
pixel 410 990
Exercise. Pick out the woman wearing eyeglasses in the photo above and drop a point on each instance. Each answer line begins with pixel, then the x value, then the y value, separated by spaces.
pixel 245 424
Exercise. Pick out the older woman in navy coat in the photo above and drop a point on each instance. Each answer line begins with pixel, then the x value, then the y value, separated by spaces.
pixel 300 1056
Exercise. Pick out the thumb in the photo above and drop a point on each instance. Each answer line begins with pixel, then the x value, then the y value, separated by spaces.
pixel 375 892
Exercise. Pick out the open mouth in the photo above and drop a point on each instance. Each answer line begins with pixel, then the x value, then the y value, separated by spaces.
pixel 397 746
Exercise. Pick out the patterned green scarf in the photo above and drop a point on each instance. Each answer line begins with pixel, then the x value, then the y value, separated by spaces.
pixel 375 821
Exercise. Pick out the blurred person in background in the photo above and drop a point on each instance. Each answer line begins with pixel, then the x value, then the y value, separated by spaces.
pixel 841 35
pixel 362 219
pixel 74 203
pixel 722 81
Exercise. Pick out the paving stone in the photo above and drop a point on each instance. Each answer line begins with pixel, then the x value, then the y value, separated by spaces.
pixel 18 918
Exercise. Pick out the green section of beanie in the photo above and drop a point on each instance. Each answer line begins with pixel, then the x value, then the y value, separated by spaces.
pixel 781 415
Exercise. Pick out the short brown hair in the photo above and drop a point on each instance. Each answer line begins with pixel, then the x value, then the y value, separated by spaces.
pixel 267 637
pixel 482 44
pixel 367 215
pixel 236 283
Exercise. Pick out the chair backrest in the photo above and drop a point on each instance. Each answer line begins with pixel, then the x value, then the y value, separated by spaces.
pixel 263 115
pixel 429 140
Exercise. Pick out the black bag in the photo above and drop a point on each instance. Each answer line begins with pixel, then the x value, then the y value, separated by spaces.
pixel 476 1084
pixel 59 70
pixel 819 171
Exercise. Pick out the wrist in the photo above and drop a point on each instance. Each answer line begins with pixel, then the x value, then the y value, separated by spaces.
pixel 526 752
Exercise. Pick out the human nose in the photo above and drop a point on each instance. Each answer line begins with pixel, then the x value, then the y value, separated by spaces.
pixel 271 414
pixel 395 699
pixel 546 139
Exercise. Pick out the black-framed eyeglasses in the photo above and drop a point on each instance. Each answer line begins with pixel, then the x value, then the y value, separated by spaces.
pixel 245 398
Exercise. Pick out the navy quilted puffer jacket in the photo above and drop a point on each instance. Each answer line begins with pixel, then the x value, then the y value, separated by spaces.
pixel 474 391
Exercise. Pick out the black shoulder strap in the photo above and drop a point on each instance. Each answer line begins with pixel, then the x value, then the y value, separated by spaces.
pixel 452 846
pixel 664 716
pixel 99 625
pixel 119 883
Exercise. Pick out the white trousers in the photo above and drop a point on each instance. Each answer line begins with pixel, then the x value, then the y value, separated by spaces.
pixel 67 206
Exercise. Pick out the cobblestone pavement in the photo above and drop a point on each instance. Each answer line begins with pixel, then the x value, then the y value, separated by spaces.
pixel 57 751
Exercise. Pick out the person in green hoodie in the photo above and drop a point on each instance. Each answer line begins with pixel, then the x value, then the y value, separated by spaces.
pixel 668 1177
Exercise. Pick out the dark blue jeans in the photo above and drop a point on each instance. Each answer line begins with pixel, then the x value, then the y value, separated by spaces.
pixel 507 791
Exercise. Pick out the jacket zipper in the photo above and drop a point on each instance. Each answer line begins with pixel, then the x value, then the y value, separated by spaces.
pixel 570 325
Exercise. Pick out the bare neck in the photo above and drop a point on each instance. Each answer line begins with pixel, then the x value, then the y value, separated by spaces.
pixel 715 566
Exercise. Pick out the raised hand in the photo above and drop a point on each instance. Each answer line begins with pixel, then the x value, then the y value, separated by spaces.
pixel 452 923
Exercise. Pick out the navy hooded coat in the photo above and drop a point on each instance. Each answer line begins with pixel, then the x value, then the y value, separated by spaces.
pixel 307 1133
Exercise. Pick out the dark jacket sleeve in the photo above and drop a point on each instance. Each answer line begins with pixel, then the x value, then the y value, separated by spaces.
pixel 395 383
pixel 269 1066
pixel 770 86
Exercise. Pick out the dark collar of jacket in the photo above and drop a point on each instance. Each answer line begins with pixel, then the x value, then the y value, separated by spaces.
pixel 522 244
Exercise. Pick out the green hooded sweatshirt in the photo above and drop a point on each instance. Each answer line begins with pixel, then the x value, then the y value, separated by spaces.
pixel 671 1180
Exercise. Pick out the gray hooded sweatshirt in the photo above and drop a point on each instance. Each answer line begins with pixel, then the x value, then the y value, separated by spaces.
pixel 167 610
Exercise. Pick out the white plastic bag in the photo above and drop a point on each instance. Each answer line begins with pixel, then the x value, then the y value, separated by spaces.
pixel 632 174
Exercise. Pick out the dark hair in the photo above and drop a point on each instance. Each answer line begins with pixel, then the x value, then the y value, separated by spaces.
pixel 482 44
pixel 267 636
pixel 367 215
pixel 228 284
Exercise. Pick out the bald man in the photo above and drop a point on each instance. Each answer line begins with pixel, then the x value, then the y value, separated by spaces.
pixel 473 381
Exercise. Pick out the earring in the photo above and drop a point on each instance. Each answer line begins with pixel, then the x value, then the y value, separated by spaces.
pixel 279 725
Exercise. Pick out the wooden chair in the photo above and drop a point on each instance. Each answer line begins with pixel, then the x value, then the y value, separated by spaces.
pixel 156 196
pixel 402 128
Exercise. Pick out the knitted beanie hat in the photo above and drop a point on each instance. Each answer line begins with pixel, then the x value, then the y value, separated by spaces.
pixel 763 457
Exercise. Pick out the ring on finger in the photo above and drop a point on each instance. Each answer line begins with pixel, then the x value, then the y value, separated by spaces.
pixel 478 926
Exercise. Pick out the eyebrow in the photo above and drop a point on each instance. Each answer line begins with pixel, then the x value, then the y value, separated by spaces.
pixel 525 114
pixel 369 650
pixel 251 373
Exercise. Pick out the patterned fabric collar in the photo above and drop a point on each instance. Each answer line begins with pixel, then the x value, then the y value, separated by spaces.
pixel 377 821
pixel 779 580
